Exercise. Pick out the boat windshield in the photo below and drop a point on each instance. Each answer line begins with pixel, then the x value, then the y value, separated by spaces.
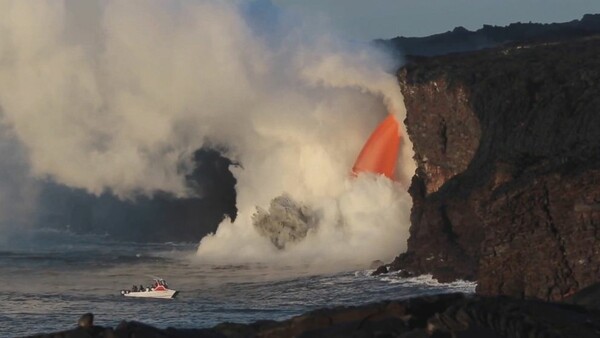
pixel 158 282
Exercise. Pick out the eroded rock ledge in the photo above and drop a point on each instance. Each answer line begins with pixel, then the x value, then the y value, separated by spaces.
pixel 507 189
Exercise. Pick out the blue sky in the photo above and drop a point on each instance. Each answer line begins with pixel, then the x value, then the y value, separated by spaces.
pixel 369 19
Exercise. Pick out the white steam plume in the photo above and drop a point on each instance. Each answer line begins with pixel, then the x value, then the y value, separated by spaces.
pixel 116 95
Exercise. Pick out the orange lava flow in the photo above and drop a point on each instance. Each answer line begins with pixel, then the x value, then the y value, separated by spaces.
pixel 380 154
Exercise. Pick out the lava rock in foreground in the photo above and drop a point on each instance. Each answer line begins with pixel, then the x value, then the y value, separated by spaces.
pixel 447 315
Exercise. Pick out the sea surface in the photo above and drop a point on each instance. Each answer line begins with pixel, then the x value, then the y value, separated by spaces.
pixel 48 279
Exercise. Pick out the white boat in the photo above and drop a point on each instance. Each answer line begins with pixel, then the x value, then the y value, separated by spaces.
pixel 159 289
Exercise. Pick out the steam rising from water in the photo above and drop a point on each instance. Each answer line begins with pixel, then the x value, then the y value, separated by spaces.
pixel 367 220
pixel 116 95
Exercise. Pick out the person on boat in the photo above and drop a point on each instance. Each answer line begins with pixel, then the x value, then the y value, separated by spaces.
pixel 134 288
pixel 142 287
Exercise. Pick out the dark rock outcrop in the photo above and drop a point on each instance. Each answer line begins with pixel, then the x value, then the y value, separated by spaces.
pixel 380 270
pixel 588 297
pixel 463 40
pixel 507 189
pixel 161 217
pixel 449 315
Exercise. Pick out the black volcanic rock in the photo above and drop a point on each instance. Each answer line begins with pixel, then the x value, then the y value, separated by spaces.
pixel 508 181
pixel 380 270
pixel 86 320
pixel 160 218
pixel 588 297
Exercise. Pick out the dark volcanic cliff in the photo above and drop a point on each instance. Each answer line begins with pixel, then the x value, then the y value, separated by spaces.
pixel 507 189
pixel 463 40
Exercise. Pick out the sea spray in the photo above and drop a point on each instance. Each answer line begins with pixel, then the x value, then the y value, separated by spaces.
pixel 352 221
pixel 119 102
pixel 365 222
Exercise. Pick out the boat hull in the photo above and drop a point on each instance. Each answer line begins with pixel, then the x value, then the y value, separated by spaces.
pixel 165 294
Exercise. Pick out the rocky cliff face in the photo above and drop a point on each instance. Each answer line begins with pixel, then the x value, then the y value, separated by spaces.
pixel 507 189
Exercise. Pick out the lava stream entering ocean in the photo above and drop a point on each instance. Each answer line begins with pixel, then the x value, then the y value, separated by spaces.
pixel 379 155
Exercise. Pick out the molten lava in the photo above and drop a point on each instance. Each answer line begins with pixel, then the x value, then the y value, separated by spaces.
pixel 380 154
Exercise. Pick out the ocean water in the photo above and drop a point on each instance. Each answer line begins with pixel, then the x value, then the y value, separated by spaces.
pixel 48 279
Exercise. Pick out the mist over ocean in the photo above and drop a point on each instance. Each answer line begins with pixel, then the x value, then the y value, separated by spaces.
pixel 49 279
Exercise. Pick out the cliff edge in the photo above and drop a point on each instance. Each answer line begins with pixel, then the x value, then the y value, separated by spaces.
pixel 507 189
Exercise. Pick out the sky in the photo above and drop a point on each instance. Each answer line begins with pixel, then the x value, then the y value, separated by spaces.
pixel 372 19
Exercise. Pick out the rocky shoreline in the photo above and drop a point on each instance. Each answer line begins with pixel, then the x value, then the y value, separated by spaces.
pixel 448 315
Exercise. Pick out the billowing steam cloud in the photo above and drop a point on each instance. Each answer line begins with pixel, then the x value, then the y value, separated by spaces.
pixel 120 106
pixel 116 95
